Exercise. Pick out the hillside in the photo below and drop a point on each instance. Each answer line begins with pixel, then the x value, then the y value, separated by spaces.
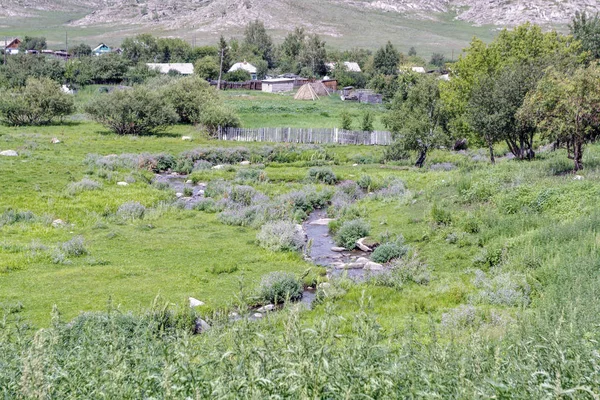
pixel 431 25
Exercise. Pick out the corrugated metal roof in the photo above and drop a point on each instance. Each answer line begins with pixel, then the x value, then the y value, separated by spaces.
pixel 164 68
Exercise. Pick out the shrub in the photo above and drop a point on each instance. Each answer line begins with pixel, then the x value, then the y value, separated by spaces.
pixel 502 289
pixel 191 97
pixel 440 215
pixel 252 175
pixel 279 286
pixel 388 251
pixel 392 190
pixel 216 116
pixel 11 216
pixel 365 182
pixel 350 231
pixel 322 174
pixel 74 247
pixel 242 194
pixel 461 317
pixel 413 270
pixel 281 236
pixel 132 112
pixel 202 165
pixel 443 167
pixel 83 186
pixel 40 102
pixel 131 210
pixel 207 205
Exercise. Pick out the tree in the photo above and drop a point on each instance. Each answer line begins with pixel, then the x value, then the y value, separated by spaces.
pixel 417 120
pixel 367 121
pixel 346 120
pixel 81 50
pixel 586 29
pixel 40 102
pixel 313 55
pixel 173 50
pixel 136 111
pixel 110 68
pixel 256 36
pixel 239 75
pixel 190 97
pixel 386 60
pixel 207 68
pixel 21 67
pixel 290 50
pixel 34 43
pixel 412 52
pixel 493 107
pixel 143 47
pixel 225 52
pixel 565 106
pixel 437 59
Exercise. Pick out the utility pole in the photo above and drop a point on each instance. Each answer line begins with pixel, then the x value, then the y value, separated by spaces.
pixel 220 70
pixel 67 44
pixel 5 44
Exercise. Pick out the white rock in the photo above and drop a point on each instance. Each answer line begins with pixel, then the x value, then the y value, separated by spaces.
pixel 195 302
pixel 373 266
pixel 186 138
pixel 233 315
pixel 58 223
pixel 268 307
pixel 122 184
pixel 322 221
pixel 351 266
pixel 578 178
pixel 338 249
pixel 55 141
pixel 324 285
pixel 245 163
pixel 362 260
pixel 360 244
pixel 355 165
pixel 258 315
pixel 217 167
pixel 201 326
pixel 9 153
pixel 178 195
pixel 189 182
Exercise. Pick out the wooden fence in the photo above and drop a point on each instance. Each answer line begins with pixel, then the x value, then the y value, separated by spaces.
pixel 299 135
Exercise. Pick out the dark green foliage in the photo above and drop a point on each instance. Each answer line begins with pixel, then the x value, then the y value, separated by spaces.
pixel 346 120
pixel 440 215
pixel 256 36
pixel 278 287
pixel 586 29
pixel 33 43
pixel 367 121
pixel 389 251
pixel 81 50
pixel 207 68
pixel 21 67
pixel 386 60
pixel 412 51
pixel 237 76
pixel 322 174
pixel 132 112
pixel 350 231
pixel 438 60
pixel 40 102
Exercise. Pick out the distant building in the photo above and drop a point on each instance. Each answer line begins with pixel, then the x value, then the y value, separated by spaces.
pixel 10 46
pixel 164 68
pixel 101 49
pixel 349 65
pixel 246 66
pixel 278 85
pixel 418 70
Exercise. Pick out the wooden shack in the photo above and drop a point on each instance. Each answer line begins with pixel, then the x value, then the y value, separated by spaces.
pixel 278 85
pixel 330 84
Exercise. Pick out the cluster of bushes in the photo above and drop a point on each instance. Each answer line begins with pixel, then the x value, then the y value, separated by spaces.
pixel 281 236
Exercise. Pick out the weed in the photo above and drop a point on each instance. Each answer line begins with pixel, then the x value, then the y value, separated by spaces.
pixel 278 287
pixel 281 236
pixel 350 231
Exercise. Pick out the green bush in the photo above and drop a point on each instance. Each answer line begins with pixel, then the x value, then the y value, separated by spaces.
pixel 137 111
pixel 365 182
pixel 280 236
pixel 440 215
pixel 350 231
pixel 191 97
pixel 278 287
pixel 322 174
pixel 388 251
pixel 40 102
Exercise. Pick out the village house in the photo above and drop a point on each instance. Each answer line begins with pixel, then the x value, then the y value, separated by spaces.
pixel 101 49
pixel 350 66
pixel 10 46
pixel 278 85
pixel 246 66
pixel 165 68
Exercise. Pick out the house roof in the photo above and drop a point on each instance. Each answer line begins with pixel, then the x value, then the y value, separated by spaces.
pixel 350 66
pixel 9 42
pixel 278 80
pixel 419 70
pixel 100 46
pixel 246 66
pixel 164 68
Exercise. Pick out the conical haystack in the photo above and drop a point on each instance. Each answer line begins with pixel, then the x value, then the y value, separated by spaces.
pixel 306 92
pixel 320 89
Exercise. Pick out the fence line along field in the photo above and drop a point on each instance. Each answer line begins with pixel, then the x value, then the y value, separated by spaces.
pixel 299 135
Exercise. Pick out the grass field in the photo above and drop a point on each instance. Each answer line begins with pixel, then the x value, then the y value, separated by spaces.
pixel 499 279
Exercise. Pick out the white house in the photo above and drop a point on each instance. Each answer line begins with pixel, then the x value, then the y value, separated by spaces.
pixel 350 66
pixel 246 66
pixel 164 68
pixel 101 49
pixel 277 85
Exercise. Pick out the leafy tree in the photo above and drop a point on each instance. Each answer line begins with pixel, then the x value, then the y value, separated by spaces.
pixel 40 102
pixel 207 68
pixel 143 47
pixel 290 50
pixel 387 85
pixel 204 51
pixel 190 97
pixel 140 74
pixel 417 119
pixel 493 107
pixel 367 121
pixel 386 60
pixel 21 67
pixel 219 116
pixel 81 50
pixel 136 111
pixel 78 71
pixel 438 60
pixel 238 76
pixel 256 36
pixel 110 68
pixel 565 106
pixel 262 68
pixel 346 120
pixel 34 43
pixel 173 50
pixel 313 55
pixel 224 50
pixel 586 29
pixel 412 52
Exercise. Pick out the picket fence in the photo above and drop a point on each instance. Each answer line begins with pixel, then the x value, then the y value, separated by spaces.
pixel 300 135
